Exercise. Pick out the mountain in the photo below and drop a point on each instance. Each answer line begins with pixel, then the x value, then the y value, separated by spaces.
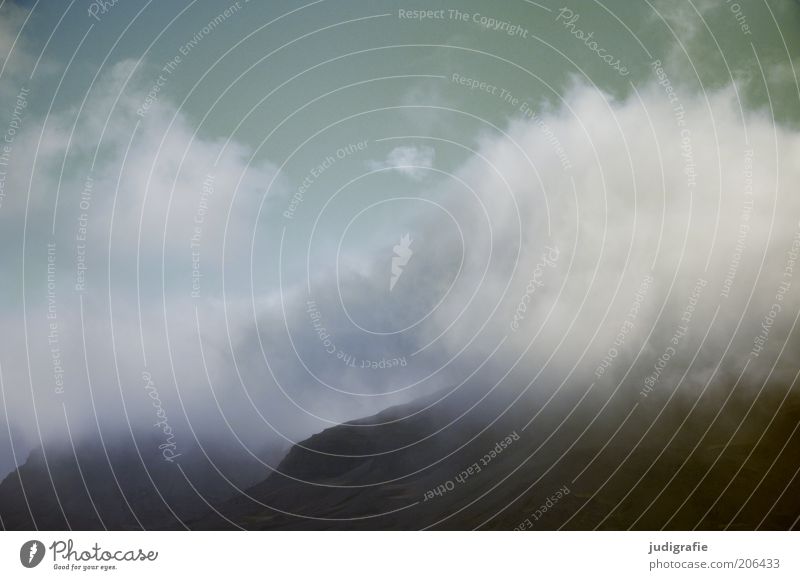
pixel 462 463
pixel 114 485
pixel 355 476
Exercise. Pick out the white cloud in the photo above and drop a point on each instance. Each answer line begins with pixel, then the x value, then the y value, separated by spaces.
pixel 410 160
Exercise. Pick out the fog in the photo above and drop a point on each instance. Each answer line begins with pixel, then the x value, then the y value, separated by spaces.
pixel 642 244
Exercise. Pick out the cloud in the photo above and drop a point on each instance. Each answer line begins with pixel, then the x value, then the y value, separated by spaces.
pixel 138 206
pixel 411 161
pixel 679 196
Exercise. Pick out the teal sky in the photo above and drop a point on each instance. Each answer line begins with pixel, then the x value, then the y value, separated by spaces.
pixel 368 42
pixel 263 45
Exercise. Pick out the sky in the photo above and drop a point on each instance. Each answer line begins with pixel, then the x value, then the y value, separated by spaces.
pixel 273 217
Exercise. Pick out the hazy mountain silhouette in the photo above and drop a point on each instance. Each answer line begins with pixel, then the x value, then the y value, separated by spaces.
pixel 121 490
pixel 376 473
pixel 381 490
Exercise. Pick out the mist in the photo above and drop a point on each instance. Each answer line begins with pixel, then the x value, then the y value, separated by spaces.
pixel 642 244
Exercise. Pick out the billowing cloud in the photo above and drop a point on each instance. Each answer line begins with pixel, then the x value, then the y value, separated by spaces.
pixel 409 160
